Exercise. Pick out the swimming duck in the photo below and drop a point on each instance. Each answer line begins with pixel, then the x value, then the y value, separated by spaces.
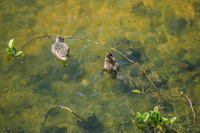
pixel 60 49
pixel 111 66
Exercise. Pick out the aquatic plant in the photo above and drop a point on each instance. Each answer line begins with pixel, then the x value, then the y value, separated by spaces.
pixel 154 121
pixel 11 49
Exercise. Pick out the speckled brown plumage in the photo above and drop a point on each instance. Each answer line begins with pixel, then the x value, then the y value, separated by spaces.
pixel 60 49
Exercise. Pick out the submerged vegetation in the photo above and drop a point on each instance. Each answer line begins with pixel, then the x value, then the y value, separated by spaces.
pixel 11 50
pixel 154 121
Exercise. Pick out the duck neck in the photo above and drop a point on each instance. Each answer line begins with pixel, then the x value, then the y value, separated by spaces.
pixel 57 39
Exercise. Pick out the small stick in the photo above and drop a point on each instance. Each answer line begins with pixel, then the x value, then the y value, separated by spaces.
pixel 62 107
pixel 191 108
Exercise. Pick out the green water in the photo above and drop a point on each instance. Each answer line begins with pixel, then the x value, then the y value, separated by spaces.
pixel 161 34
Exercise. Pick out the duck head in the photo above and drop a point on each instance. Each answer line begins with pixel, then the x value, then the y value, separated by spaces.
pixel 58 39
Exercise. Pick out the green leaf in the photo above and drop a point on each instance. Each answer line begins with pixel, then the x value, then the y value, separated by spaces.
pixel 138 116
pixel 165 120
pixel 8 50
pixel 14 50
pixel 155 109
pixel 152 112
pixel 142 126
pixel 136 91
pixel 158 116
pixel 11 43
pixel 159 128
pixel 145 116
pixel 172 120
pixel 154 117
pixel 19 53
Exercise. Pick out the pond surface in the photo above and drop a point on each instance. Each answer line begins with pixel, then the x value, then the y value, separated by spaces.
pixel 161 35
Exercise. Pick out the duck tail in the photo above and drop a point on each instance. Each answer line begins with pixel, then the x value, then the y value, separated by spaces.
pixel 119 76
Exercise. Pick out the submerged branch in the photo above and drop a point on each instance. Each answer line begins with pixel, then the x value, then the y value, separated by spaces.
pixel 192 109
pixel 62 107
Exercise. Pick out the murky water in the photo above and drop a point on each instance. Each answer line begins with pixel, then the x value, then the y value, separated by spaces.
pixel 163 35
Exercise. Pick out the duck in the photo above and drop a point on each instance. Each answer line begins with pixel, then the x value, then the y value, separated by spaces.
pixel 60 49
pixel 111 66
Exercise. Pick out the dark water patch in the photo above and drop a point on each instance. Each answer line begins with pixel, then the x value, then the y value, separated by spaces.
pixel 127 126
pixel 159 62
pixel 135 55
pixel 91 125
pixel 34 79
pixel 26 104
pixel 196 6
pixel 31 3
pixel 167 106
pixel 185 65
pixel 169 15
pixel 75 72
pixel 131 49
pixel 139 9
pixel 192 22
pixel 44 88
pixel 54 129
pixel 151 47
pixel 178 26
pixel 162 38
pixel 151 41
pixel 182 52
pixel 156 18
pixel 120 86
pixel 30 23
pixel 161 83
pixel 121 41
pixel 7 17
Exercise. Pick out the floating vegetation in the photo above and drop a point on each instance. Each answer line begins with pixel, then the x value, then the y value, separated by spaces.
pixel 11 50
pixel 136 91
pixel 154 121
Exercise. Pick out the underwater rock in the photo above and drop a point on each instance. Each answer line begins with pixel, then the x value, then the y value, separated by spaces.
pixel 139 9
pixel 187 65
pixel 178 26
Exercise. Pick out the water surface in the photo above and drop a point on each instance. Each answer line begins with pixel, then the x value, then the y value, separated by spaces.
pixel 163 35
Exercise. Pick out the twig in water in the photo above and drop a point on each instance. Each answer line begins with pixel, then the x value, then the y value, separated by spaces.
pixel 62 107
pixel 192 109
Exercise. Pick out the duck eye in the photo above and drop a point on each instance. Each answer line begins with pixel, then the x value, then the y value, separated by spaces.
pixel 110 54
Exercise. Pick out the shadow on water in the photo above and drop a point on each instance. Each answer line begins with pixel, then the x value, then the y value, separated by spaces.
pixel 129 48
pixel 91 125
